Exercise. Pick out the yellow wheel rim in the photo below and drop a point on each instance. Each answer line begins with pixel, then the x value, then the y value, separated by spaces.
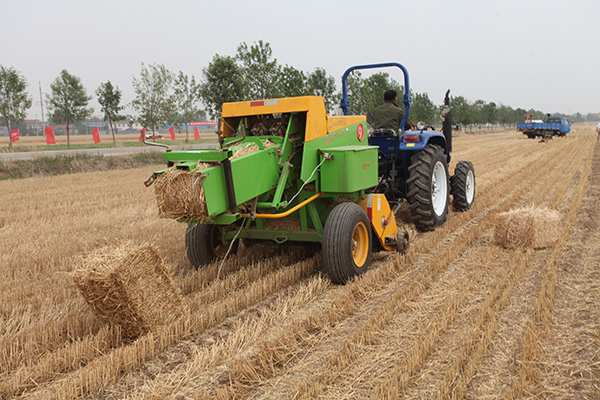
pixel 360 244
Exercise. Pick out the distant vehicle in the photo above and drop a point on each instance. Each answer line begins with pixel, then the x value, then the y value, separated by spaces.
pixel 154 136
pixel 553 126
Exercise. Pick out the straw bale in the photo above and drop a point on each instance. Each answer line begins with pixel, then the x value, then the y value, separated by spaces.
pixel 129 285
pixel 528 227
pixel 179 193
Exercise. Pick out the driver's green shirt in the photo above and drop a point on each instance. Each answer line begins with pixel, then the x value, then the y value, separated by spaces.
pixel 388 116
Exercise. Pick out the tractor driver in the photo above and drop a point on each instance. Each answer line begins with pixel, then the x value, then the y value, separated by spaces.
pixel 389 115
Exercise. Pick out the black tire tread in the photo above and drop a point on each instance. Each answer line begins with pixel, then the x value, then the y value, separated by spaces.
pixel 419 188
pixel 337 234
pixel 458 185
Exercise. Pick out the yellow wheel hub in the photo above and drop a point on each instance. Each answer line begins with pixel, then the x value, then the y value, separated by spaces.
pixel 360 243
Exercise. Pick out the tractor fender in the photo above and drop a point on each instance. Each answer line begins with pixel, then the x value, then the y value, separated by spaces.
pixel 424 138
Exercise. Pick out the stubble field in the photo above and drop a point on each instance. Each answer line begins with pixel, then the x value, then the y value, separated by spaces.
pixel 457 317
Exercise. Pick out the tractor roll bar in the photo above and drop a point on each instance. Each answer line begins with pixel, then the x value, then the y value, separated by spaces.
pixel 345 103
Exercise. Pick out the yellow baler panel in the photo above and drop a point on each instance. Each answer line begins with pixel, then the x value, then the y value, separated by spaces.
pixel 378 209
pixel 338 122
pixel 314 106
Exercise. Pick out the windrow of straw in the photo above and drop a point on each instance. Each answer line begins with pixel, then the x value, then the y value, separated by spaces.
pixel 528 227
pixel 129 285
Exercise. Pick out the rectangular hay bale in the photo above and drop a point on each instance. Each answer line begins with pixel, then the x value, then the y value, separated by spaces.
pixel 179 193
pixel 527 227
pixel 129 285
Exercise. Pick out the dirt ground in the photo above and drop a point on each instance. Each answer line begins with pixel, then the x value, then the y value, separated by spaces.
pixel 457 317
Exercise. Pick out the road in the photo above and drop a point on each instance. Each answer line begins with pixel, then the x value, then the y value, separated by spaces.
pixel 111 151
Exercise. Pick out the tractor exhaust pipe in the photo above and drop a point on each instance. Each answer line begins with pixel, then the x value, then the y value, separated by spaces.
pixel 447 123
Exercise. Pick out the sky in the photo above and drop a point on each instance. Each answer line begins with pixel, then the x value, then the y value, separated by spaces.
pixel 540 54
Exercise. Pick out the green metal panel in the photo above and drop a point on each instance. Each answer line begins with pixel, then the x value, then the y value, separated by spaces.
pixel 253 174
pixel 353 168
pixel 343 137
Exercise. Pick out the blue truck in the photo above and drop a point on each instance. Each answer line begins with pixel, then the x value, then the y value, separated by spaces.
pixel 553 126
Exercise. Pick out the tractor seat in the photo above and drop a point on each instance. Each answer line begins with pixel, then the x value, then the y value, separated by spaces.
pixel 385 132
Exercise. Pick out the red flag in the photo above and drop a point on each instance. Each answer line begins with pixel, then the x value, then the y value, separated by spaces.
pixel 50 135
pixel 14 135
pixel 96 135
pixel 142 134
pixel 172 132
pixel 196 133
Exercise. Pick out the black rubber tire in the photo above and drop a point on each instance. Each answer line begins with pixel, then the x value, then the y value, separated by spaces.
pixel 338 255
pixel 531 136
pixel 203 244
pixel 419 185
pixel 459 185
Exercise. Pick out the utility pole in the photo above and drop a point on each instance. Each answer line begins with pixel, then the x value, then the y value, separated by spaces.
pixel 42 106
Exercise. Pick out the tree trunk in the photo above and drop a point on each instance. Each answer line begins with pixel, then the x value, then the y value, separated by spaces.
pixel 112 129
pixel 68 137
pixel 10 146
pixel 187 134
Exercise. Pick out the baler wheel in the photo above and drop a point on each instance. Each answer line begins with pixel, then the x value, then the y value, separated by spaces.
pixel 428 188
pixel 346 242
pixel 203 243
pixel 462 186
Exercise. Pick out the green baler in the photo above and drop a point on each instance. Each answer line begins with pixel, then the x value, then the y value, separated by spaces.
pixel 285 171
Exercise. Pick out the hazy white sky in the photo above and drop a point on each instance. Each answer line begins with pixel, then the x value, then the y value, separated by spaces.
pixel 542 54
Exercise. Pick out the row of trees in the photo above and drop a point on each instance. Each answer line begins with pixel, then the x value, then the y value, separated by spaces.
pixel 163 97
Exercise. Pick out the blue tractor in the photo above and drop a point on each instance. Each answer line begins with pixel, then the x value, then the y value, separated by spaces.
pixel 413 165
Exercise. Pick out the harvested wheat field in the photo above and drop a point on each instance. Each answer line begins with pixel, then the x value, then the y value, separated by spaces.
pixel 459 316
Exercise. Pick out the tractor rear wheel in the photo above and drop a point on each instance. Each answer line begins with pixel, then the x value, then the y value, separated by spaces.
pixel 462 186
pixel 204 244
pixel 346 242
pixel 428 193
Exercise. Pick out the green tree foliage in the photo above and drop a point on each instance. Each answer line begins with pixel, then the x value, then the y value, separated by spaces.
pixel 14 100
pixel 155 100
pixel 68 102
pixel 321 84
pixel 222 82
pixel 462 111
pixel 292 82
pixel 365 94
pixel 423 109
pixel 187 95
pixel 260 70
pixel 109 98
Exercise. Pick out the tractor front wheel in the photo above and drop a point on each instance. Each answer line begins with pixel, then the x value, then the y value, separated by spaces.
pixel 428 193
pixel 462 186
pixel 346 242
pixel 204 244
